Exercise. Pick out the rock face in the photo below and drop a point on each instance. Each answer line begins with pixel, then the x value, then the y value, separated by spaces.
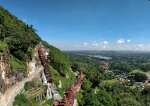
pixel 3 85
pixel 31 66
pixel 19 77
pixel 12 80
pixel 4 70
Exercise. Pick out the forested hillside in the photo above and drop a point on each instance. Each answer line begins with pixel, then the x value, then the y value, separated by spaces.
pixel 17 41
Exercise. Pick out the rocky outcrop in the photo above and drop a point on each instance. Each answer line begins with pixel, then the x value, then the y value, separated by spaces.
pixel 7 76
pixel 31 66
pixel 4 69
pixel 3 86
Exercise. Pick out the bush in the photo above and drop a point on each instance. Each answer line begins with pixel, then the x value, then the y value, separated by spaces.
pixel 21 100
pixel 139 77
pixel 146 90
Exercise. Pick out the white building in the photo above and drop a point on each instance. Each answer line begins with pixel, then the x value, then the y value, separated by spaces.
pixel 44 80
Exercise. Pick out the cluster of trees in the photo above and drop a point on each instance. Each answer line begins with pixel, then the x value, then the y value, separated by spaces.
pixel 115 94
pixel 18 36
pixel 139 77
pixel 145 67
pixel 122 67
pixel 28 85
pixel 21 100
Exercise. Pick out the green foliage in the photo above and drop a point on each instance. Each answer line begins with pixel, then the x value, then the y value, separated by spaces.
pixel 79 97
pixel 123 67
pixel 129 102
pixel 17 65
pixel 132 82
pixel 2 46
pixel 111 92
pixel 140 77
pixel 145 67
pixel 75 67
pixel 146 90
pixel 90 99
pixel 30 53
pixel 66 82
pixel 28 85
pixel 94 76
pixel 105 98
pixel 21 100
pixel 49 102
pixel 17 35
pixel 57 59
pixel 86 85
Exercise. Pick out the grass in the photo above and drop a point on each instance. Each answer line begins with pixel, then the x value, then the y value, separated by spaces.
pixel 132 87
pixel 110 81
pixel 138 70
pixel 48 102
pixel 17 64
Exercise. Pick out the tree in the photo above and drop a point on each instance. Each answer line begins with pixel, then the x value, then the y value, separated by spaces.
pixel 140 77
pixel 86 85
pixel 90 99
pixel 146 90
pixel 129 101
pixel 105 99
pixel 21 100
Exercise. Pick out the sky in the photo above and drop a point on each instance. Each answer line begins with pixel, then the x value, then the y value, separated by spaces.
pixel 87 24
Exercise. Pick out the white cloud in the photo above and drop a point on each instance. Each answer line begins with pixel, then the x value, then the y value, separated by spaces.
pixel 121 44
pixel 120 41
pixel 85 44
pixel 141 45
pixel 105 42
pixel 100 46
pixel 104 45
pixel 128 40
pixel 95 44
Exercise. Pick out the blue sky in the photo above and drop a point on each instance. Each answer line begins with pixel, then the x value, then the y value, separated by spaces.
pixel 87 24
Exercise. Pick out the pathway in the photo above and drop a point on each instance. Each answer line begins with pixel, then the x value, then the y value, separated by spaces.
pixel 11 92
